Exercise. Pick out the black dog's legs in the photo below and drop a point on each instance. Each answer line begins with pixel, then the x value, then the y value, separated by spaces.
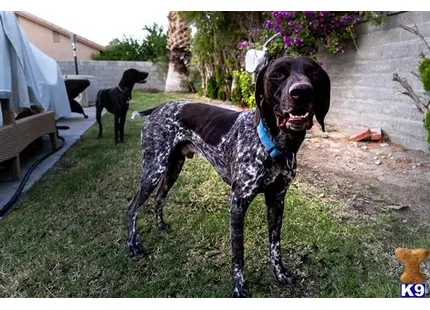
pixel 275 210
pixel 121 127
pixel 116 127
pixel 238 207
pixel 99 111
pixel 170 176
pixel 150 178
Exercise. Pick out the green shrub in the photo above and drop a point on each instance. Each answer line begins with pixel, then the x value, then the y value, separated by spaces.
pixel 236 94
pixel 244 91
pixel 247 89
pixel 424 70
pixel 212 90
pixel 199 88
pixel 195 78
pixel 221 95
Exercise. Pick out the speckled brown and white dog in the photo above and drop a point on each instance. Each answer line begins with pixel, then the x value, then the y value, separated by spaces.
pixel 254 152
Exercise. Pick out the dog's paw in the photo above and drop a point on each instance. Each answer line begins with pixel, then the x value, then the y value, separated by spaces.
pixel 134 115
pixel 162 226
pixel 285 278
pixel 240 292
pixel 136 250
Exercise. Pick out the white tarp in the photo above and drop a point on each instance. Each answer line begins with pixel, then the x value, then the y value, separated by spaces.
pixel 27 75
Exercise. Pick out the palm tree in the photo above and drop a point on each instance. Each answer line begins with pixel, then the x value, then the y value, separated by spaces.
pixel 178 44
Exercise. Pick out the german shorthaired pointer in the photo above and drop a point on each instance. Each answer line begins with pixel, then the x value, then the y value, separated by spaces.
pixel 116 99
pixel 254 152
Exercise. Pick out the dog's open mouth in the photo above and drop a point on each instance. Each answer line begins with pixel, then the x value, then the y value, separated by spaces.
pixel 294 118
pixel 142 81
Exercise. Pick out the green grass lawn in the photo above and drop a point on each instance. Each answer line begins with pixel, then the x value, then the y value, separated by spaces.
pixel 67 238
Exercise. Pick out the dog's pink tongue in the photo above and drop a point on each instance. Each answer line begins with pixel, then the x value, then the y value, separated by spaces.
pixel 284 122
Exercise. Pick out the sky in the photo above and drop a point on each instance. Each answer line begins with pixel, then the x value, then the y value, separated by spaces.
pixel 102 27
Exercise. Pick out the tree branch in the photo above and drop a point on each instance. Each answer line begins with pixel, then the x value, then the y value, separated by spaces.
pixel 416 75
pixel 414 31
pixel 421 106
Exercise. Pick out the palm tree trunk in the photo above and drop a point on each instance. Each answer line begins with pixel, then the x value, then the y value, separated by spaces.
pixel 178 43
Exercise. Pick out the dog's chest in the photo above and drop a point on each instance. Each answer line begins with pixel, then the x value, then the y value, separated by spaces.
pixel 285 172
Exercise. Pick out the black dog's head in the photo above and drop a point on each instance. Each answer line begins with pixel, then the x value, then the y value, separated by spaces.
pixel 132 76
pixel 290 91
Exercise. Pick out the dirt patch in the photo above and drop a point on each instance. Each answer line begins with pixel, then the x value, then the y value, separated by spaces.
pixel 369 177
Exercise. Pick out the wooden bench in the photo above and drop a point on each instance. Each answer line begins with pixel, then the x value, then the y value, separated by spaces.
pixel 16 135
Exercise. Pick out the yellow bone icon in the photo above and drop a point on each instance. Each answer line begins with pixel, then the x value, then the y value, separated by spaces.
pixel 412 259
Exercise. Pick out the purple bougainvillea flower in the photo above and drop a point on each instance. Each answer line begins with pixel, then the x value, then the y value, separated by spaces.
pixel 243 45
pixel 278 25
pixel 291 23
pixel 287 15
pixel 276 14
pixel 269 24
pixel 287 42
pixel 323 13
pixel 298 28
pixel 347 19
pixel 298 42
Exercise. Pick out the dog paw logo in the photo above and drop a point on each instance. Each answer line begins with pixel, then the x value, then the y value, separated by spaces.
pixel 412 259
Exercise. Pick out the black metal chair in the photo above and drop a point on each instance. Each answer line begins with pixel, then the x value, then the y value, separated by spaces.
pixel 74 87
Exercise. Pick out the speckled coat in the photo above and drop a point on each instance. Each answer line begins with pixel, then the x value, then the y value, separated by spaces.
pixel 230 142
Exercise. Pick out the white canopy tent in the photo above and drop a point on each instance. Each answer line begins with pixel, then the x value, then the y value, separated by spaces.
pixel 27 75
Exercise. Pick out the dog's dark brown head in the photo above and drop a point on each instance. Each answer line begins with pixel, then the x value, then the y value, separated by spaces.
pixel 290 91
pixel 132 76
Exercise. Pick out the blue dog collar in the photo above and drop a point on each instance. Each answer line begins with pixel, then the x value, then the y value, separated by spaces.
pixel 265 140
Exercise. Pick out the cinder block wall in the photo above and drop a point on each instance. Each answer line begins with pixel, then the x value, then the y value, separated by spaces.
pixel 363 93
pixel 109 73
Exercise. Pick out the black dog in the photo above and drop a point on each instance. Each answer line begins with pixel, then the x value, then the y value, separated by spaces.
pixel 254 152
pixel 116 99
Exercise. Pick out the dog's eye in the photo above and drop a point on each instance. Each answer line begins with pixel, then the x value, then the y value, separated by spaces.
pixel 279 76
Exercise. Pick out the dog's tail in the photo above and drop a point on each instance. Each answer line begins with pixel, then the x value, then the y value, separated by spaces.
pixel 138 114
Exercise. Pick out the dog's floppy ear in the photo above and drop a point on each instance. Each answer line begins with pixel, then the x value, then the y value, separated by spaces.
pixel 322 97
pixel 259 93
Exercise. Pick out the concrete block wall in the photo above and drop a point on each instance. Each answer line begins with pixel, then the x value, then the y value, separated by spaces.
pixel 363 93
pixel 109 73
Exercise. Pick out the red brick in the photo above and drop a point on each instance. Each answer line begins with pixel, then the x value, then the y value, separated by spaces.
pixel 376 134
pixel 363 135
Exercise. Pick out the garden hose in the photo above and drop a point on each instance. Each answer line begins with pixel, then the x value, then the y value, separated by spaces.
pixel 4 210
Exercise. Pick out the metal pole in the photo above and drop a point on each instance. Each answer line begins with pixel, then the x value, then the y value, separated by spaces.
pixel 73 38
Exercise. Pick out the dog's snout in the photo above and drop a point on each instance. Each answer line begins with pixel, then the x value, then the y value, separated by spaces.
pixel 299 90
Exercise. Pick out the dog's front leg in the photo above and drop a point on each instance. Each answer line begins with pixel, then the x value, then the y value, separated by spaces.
pixel 121 127
pixel 116 127
pixel 275 210
pixel 238 207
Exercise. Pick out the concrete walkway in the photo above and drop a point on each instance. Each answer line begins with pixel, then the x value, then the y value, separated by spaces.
pixel 78 126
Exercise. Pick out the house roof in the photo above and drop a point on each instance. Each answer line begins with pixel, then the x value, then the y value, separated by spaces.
pixel 59 29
